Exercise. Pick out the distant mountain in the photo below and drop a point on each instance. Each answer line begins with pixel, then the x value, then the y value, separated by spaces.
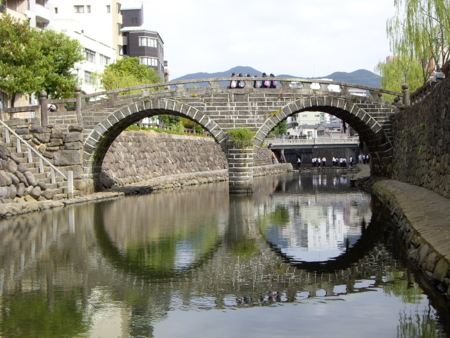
pixel 360 77
pixel 236 70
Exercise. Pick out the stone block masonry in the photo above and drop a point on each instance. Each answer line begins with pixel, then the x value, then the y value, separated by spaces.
pixel 421 151
pixel 139 156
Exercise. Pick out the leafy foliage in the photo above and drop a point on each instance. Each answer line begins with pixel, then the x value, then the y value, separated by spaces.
pixel 128 72
pixel 61 53
pixel 22 65
pixel 34 59
pixel 420 31
pixel 280 129
pixel 169 120
pixel 401 69
pixel 240 134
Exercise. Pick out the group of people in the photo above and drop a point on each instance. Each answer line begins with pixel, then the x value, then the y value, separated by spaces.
pixel 336 161
pixel 322 162
pixel 269 83
pixel 364 158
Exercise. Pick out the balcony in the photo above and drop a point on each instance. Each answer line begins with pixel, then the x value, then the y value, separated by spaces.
pixel 42 13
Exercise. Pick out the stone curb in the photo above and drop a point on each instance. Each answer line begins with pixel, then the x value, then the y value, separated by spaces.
pixel 164 182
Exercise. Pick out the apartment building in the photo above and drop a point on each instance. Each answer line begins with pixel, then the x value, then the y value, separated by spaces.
pixel 140 41
pixel 96 24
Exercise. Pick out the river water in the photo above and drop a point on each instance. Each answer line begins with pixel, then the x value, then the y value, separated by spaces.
pixel 305 256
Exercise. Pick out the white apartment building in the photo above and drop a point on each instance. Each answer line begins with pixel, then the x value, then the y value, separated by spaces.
pixel 96 24
pixel 310 118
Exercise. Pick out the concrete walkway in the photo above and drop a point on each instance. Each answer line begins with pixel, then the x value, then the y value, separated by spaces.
pixel 427 212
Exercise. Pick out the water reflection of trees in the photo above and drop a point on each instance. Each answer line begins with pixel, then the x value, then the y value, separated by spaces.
pixel 165 235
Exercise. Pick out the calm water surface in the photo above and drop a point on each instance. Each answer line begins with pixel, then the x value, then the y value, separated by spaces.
pixel 305 256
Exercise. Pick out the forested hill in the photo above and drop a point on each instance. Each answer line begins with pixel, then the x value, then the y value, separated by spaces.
pixel 360 77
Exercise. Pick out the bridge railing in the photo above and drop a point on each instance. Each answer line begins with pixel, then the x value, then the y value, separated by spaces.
pixel 126 95
pixel 312 141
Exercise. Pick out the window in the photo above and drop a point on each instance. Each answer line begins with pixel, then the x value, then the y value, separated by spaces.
pixel 41 24
pixel 147 42
pixel 108 9
pixel 119 27
pixel 305 116
pixel 88 8
pixel 79 9
pixel 118 8
pixel 88 78
pixel 104 60
pixel 90 55
pixel 149 61
pixel 120 49
pixel 56 10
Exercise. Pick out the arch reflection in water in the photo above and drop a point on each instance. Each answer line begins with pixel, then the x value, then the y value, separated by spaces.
pixel 315 220
pixel 159 237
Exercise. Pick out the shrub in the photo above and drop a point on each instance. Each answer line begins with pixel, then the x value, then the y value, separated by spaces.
pixel 242 137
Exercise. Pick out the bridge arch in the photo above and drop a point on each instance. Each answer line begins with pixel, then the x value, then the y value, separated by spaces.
pixel 367 127
pixel 99 140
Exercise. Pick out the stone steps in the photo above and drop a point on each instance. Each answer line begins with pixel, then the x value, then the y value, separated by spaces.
pixel 59 188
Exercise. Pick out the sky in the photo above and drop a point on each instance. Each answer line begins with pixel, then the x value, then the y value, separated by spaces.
pixel 303 38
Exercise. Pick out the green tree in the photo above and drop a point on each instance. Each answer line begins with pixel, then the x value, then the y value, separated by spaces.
pixel 61 53
pixel 280 129
pixel 420 31
pixel 35 59
pixel 169 120
pixel 399 70
pixel 128 72
pixel 22 65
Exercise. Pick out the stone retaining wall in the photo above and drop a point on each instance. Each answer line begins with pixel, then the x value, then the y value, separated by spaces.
pixel 421 153
pixel 140 156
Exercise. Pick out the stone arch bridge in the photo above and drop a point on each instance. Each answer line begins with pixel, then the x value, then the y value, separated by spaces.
pixel 218 108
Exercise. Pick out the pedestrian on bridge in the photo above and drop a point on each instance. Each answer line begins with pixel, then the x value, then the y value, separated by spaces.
pixel 256 84
pixel 241 84
pixel 233 83
pixel 273 83
pixel 265 83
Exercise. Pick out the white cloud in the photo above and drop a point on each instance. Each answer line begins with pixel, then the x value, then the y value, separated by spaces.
pixel 297 37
